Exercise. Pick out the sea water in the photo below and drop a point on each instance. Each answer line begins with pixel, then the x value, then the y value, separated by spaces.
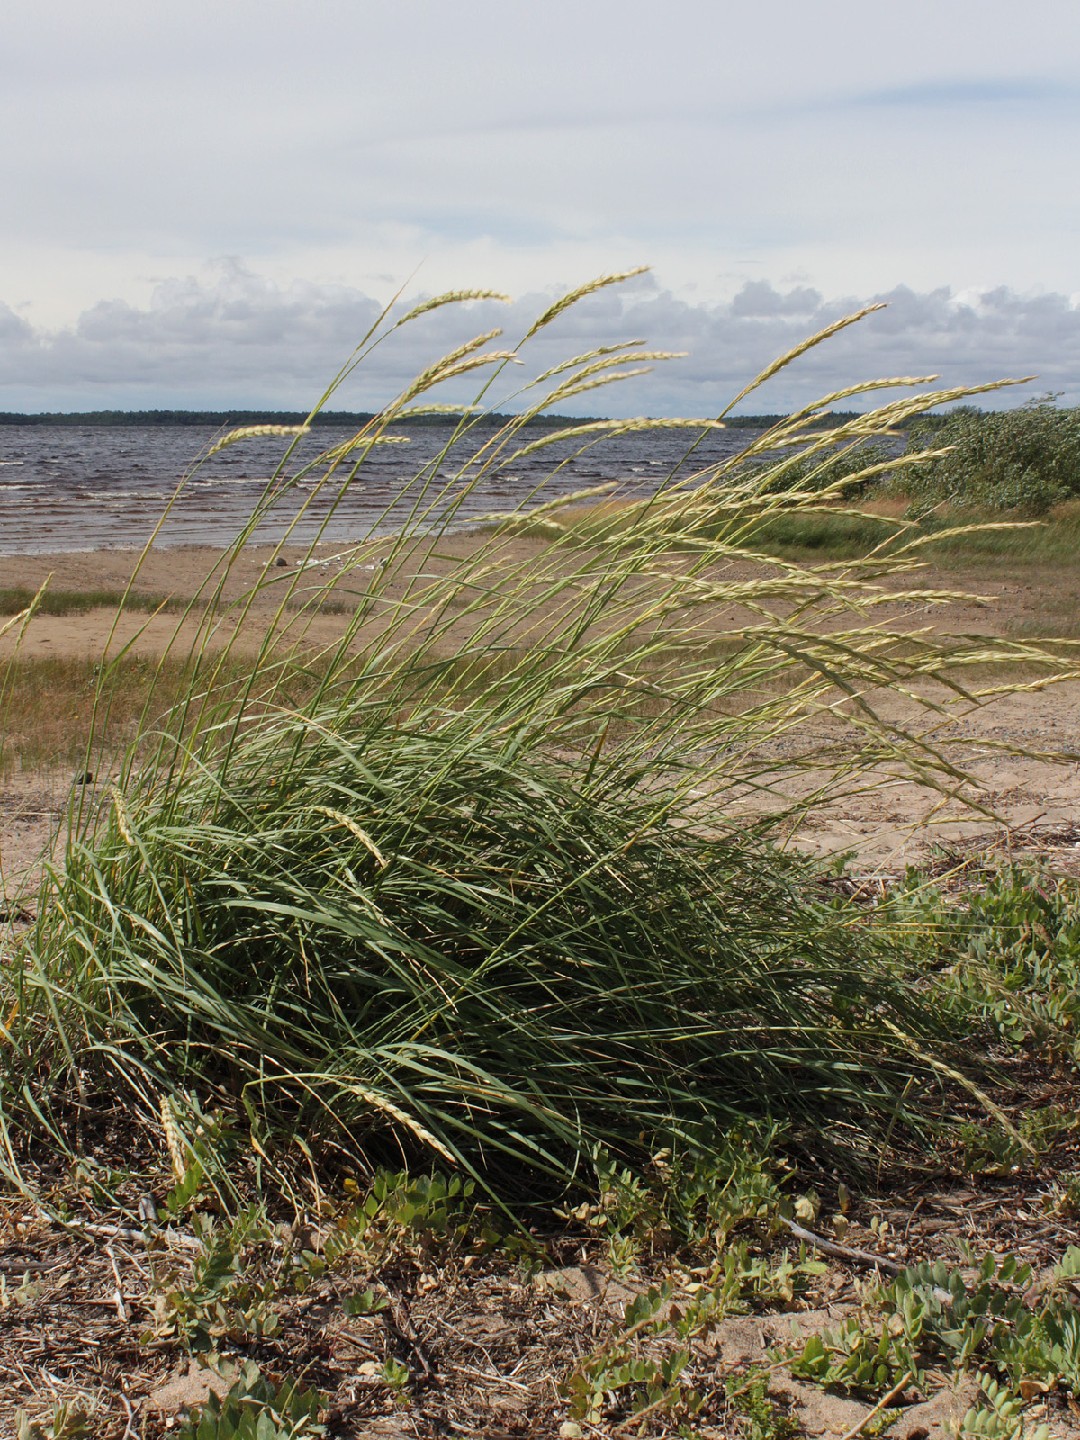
pixel 92 487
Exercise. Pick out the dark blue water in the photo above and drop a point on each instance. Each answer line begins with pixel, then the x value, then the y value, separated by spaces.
pixel 91 487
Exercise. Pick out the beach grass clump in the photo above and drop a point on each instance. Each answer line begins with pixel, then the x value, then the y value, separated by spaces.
pixel 488 874
pixel 416 929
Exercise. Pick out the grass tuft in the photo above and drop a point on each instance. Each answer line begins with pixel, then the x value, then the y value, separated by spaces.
pixel 468 878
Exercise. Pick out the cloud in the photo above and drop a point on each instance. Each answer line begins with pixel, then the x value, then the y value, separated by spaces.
pixel 232 337
pixel 985 90
pixel 14 330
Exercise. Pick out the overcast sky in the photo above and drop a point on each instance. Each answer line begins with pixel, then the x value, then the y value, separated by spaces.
pixel 205 204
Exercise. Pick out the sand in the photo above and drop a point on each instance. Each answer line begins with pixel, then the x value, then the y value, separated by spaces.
pixel 1034 802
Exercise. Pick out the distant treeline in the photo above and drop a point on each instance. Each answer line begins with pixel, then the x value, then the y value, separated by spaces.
pixel 222 419
pixel 342 419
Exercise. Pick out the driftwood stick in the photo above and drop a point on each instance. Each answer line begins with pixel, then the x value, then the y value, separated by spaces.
pixel 857 1257
pixel 844 1252
pixel 124 1232
pixel 118 1293
pixel 882 1404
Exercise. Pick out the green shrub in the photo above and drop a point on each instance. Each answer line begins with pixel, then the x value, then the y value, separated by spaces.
pixel 1023 461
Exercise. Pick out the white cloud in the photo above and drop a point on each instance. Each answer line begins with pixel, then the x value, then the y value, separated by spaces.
pixel 235 337
pixel 517 145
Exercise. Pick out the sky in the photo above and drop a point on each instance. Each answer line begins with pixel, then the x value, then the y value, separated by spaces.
pixel 206 205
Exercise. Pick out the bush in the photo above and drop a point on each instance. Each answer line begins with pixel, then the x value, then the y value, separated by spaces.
pixel 1025 460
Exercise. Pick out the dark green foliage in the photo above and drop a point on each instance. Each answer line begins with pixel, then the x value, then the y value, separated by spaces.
pixel 366 928
pixel 1023 461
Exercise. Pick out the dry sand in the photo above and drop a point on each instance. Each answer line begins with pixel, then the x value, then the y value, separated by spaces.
pixel 892 823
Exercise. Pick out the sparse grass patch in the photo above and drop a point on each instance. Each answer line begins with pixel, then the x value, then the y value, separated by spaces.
pixel 62 712
pixel 970 540
pixel 58 602
pixel 51 705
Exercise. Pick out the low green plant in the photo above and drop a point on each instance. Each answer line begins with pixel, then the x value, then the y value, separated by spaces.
pixel 684 1201
pixel 71 1420
pixel 409 1214
pixel 639 1368
pixel 617 1376
pixel 928 1315
pixel 1063 1197
pixel 1021 1337
pixel 761 1417
pixel 997 1415
pixel 1005 953
pixel 1045 1348
pixel 1022 461
pixel 395 1375
pixel 224 1299
pixel 254 1408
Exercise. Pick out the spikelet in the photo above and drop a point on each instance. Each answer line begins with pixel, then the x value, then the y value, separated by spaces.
pixel 434 409
pixel 439 371
pixel 585 359
pixel 15 621
pixel 395 1112
pixel 894 382
pixel 337 453
pixel 607 368
pixel 123 823
pixel 22 617
pixel 784 360
pixel 450 297
pixel 612 427
pixel 174 1141
pixel 347 823
pixel 573 296
pixel 254 432
pixel 574 387
pixel 539 515
pixel 443 371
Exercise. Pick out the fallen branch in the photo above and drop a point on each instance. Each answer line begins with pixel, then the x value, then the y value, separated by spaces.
pixel 857 1257
pixel 882 1404
pixel 844 1252
pixel 126 1232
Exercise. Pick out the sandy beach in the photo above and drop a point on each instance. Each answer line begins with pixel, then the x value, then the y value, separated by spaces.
pixel 1035 801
